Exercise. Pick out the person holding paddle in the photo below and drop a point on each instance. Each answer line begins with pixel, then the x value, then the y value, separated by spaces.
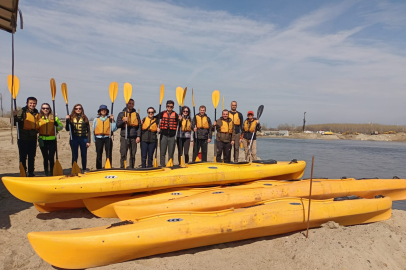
pixel 251 125
pixel 129 121
pixel 47 137
pixel 202 129
pixel 184 134
pixel 225 137
pixel 79 125
pixel 149 138
pixel 27 118
pixel 237 118
pixel 103 126
pixel 167 127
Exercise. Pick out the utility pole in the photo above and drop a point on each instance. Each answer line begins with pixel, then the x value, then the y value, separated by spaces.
pixel 304 121
pixel 1 102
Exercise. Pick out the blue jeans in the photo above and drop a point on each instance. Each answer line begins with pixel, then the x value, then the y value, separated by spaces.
pixel 147 150
pixel 75 143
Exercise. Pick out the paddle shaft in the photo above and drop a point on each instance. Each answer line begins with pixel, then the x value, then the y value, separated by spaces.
pixel 249 148
pixel 157 134
pixel 215 141
pixel 180 130
pixel 56 143
pixel 15 108
pixel 109 149
pixel 310 196
pixel 67 112
pixel 194 133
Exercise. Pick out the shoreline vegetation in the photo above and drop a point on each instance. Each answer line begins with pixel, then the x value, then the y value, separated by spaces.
pixel 398 137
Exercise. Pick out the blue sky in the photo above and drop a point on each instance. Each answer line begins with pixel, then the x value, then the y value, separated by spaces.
pixel 340 61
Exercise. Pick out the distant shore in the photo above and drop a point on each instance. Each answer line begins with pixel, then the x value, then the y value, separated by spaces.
pixel 399 137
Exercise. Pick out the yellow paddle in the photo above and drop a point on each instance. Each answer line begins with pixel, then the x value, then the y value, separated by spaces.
pixel 180 93
pixel 64 88
pixel 13 86
pixel 128 90
pixel 194 133
pixel 162 92
pixel 57 167
pixel 113 90
pixel 216 98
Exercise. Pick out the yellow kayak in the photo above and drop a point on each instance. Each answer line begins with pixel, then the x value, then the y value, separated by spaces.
pixel 85 248
pixel 51 207
pixel 104 206
pixel 237 198
pixel 114 181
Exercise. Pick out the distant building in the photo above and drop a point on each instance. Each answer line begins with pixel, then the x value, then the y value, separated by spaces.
pixel 283 132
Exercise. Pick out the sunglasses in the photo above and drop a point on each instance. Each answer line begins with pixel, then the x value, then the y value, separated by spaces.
pixel 78 108
pixel 169 106
pixel 150 112
pixel 45 109
pixel 186 111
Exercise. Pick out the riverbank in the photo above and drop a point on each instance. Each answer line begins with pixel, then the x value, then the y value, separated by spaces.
pixel 399 137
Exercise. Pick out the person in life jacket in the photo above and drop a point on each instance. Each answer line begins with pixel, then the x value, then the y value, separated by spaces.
pixel 250 127
pixel 202 127
pixel 103 126
pixel 238 120
pixel 149 138
pixel 27 118
pixel 78 123
pixel 225 136
pixel 184 137
pixel 130 118
pixel 46 125
pixel 168 123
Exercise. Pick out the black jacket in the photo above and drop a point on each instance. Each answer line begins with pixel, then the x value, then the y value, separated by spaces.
pixel 203 134
pixel 25 135
pixel 147 135
pixel 132 132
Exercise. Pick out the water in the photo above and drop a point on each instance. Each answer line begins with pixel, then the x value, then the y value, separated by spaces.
pixel 338 158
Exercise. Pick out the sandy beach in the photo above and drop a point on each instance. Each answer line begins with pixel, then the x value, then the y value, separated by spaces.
pixel 373 246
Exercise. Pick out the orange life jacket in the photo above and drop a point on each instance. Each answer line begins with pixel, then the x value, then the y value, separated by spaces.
pixel 249 126
pixel 46 128
pixel 150 124
pixel 201 122
pixel 236 118
pixel 168 122
pixel 102 127
pixel 30 121
pixel 226 127
pixel 132 118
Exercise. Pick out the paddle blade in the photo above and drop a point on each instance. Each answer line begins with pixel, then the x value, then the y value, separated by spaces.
pixel 184 95
pixel 22 170
pixel 75 168
pixel 57 169
pixel 223 103
pixel 260 110
pixel 107 165
pixel 197 159
pixel 182 162
pixel 113 90
pixel 155 163
pixel 64 89
pixel 53 88
pixel 13 92
pixel 170 163
pixel 125 164
pixel 161 94
pixel 193 98
pixel 241 146
pixel 179 95
pixel 216 98
pixel 128 90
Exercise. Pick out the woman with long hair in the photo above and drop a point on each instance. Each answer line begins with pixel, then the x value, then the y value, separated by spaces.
pixel 103 126
pixel 79 125
pixel 149 138
pixel 184 137
pixel 47 124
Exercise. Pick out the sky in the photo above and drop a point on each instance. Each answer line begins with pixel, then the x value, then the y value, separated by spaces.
pixel 338 61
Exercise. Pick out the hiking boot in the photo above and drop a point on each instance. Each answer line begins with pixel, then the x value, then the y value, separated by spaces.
pixel 31 175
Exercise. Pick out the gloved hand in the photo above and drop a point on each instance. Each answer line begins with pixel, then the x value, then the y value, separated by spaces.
pixel 56 124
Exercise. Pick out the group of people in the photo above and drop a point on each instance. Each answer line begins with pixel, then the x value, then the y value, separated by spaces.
pixel 169 128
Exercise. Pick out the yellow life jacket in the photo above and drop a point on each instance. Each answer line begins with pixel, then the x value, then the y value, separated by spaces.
pixel 236 118
pixel 132 119
pixel 148 126
pixel 79 127
pixel 249 126
pixel 30 121
pixel 46 127
pixel 186 125
pixel 201 122
pixel 226 127
pixel 102 127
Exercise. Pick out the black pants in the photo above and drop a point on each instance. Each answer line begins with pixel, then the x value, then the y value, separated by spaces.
pixel 225 149
pixel 147 152
pixel 107 143
pixel 27 149
pixel 48 153
pixel 200 144
pixel 183 146
pixel 125 146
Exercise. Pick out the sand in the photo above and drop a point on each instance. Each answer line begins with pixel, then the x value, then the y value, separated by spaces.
pixel 379 245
